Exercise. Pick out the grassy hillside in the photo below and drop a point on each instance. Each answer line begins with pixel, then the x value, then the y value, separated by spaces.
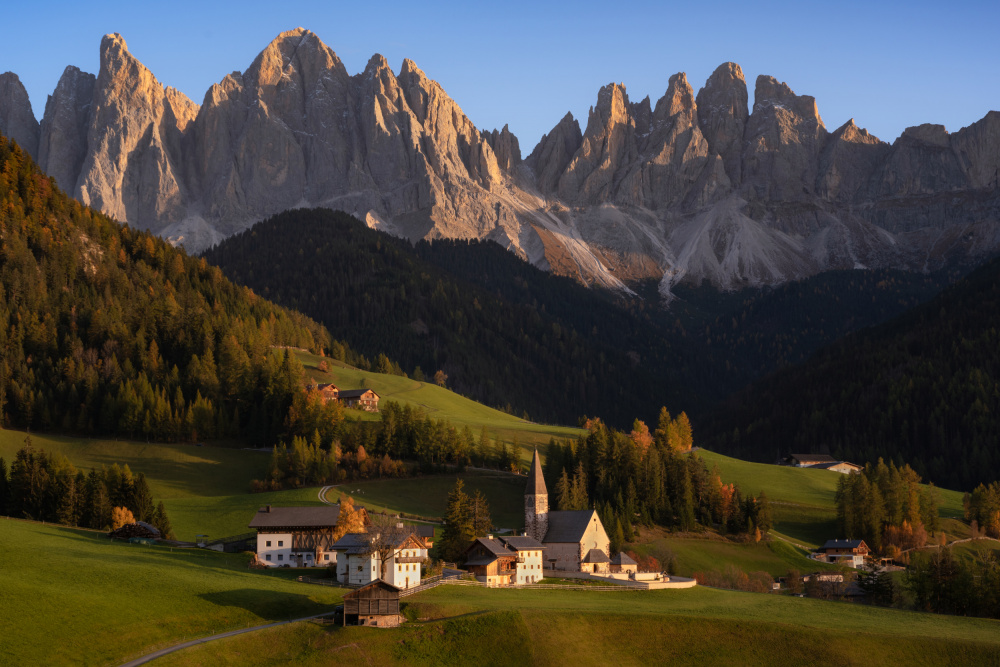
pixel 554 627
pixel 439 403
pixel 72 597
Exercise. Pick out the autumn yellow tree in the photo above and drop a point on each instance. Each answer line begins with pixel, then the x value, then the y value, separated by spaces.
pixel 350 520
pixel 121 516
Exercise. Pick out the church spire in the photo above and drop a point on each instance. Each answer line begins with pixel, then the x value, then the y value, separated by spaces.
pixel 536 502
pixel 536 482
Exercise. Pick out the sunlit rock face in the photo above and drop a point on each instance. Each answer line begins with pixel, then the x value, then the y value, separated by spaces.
pixel 695 186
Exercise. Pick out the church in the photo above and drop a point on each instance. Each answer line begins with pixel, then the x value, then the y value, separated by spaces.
pixel 574 540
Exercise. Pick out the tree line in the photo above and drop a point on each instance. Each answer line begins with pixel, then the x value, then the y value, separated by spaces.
pixel 105 329
pixel 641 478
pixel 887 507
pixel 47 487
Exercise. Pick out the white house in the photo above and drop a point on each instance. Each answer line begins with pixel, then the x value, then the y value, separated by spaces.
pixel 356 566
pixel 530 563
pixel 295 536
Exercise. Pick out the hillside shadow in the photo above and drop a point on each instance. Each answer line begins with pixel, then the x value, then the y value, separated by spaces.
pixel 268 605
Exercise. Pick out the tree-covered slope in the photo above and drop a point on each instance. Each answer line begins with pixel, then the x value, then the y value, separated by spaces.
pixel 922 388
pixel 107 330
pixel 510 335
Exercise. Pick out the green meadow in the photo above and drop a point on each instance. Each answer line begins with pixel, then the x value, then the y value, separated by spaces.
pixel 71 596
pixel 556 627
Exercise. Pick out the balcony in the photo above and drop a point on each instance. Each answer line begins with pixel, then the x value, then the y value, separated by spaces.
pixel 409 559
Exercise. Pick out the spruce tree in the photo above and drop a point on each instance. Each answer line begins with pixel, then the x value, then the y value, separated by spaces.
pixel 142 500
pixel 458 530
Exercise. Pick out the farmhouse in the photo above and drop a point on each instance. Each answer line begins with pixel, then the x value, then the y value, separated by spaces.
pixel 357 565
pixel 374 604
pixel 364 399
pixel 845 467
pixel 505 561
pixel 846 552
pixel 328 391
pixel 808 460
pixel 570 537
pixel 296 536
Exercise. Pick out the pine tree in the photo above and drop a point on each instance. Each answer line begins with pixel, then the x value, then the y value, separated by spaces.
pixel 458 530
pixel 479 510
pixel 564 492
pixel 142 500
pixel 161 522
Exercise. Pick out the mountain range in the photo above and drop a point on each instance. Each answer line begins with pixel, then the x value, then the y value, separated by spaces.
pixel 697 187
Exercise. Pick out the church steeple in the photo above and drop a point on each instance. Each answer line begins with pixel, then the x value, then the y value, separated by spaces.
pixel 536 502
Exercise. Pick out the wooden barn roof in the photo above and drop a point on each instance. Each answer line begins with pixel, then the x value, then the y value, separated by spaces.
pixel 324 516
pixel 375 589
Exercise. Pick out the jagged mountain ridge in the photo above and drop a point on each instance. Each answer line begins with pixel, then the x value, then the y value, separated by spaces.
pixel 697 186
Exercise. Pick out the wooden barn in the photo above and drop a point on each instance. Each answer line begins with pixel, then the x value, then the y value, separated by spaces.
pixel 375 604
pixel 363 399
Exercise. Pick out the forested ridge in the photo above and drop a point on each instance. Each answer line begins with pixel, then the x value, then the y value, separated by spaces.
pixel 922 388
pixel 108 330
pixel 515 337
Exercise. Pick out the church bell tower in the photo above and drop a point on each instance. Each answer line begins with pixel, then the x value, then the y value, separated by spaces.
pixel 536 502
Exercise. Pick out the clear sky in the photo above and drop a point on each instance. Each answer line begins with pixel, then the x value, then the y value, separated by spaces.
pixel 887 64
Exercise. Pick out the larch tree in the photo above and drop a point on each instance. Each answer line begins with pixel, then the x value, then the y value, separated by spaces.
pixel 121 516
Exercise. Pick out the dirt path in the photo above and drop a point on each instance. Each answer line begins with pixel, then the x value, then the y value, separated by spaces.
pixel 222 635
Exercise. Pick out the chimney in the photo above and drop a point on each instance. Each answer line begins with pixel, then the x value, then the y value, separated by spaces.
pixel 489 537
pixel 269 509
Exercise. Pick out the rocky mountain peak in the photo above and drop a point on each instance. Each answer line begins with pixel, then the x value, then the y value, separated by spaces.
pixel 63 138
pixel 928 133
pixel 770 93
pixel 554 151
pixel 678 99
pixel 17 121
pixel 505 146
pixel 722 115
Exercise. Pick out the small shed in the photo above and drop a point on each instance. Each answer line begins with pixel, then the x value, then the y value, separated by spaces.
pixel 375 604
pixel 622 562
pixel 595 562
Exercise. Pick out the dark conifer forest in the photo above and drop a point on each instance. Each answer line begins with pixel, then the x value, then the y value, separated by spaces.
pixel 107 330
pixel 923 389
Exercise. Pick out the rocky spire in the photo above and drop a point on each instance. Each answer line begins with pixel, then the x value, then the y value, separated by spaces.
pixel 17 121
pixel 63 142
pixel 722 115
pixel 554 151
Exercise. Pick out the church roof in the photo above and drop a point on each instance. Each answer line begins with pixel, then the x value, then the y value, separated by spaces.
pixel 568 525
pixel 596 556
pixel 521 542
pixel 536 483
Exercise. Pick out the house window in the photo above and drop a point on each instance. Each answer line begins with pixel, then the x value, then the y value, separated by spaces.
pixel 326 556
pixel 280 557
pixel 269 543
pixel 280 543
pixel 309 557
pixel 268 556
pixel 360 568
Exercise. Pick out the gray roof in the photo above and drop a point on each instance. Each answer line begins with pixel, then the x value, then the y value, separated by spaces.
pixel 482 560
pixel 827 465
pixel 494 546
pixel 522 543
pixel 536 482
pixel 596 556
pixel 150 527
pixel 351 543
pixel 843 544
pixel 354 393
pixel 622 558
pixel 321 516
pixel 568 526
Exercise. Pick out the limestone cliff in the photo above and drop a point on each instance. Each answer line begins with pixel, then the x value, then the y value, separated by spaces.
pixel 696 186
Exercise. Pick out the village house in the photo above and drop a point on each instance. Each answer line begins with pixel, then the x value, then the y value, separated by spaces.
pixel 296 536
pixel 845 552
pixel 363 399
pixel 328 391
pixel 506 561
pixel 570 537
pixel 357 565
pixel 374 604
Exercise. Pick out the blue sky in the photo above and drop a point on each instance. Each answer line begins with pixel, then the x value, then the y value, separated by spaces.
pixel 888 65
